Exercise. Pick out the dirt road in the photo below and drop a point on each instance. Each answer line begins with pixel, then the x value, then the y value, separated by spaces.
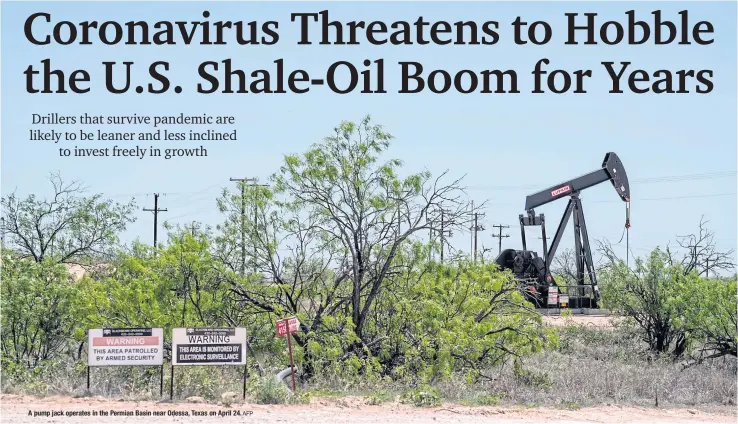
pixel 26 410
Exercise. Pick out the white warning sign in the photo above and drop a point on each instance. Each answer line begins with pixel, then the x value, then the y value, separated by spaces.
pixel 553 296
pixel 209 346
pixel 125 346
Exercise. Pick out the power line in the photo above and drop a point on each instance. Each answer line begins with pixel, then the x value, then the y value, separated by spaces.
pixel 175 193
pixel 187 214
pixel 669 178
pixel 661 179
pixel 645 199
pixel 510 203
pixel 688 177
pixel 666 178
pixel 696 196
pixel 189 201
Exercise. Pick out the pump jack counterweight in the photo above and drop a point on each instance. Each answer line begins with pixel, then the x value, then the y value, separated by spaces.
pixel 534 271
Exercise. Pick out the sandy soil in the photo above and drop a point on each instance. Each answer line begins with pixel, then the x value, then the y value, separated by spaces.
pixel 16 409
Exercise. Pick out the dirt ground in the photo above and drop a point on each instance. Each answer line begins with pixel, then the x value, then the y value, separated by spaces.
pixel 23 409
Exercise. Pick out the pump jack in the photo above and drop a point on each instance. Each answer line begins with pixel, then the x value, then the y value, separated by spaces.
pixel 534 271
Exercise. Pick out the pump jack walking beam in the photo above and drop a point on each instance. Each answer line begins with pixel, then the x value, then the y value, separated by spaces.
pixel 612 170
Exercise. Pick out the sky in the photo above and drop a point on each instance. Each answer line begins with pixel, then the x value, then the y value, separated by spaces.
pixel 679 149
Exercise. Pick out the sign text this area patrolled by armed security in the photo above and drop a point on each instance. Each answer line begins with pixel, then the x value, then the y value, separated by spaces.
pixel 125 346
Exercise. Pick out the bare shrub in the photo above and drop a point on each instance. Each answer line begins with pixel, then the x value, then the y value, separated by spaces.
pixel 594 367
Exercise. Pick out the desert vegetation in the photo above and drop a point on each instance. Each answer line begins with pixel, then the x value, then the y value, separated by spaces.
pixel 335 239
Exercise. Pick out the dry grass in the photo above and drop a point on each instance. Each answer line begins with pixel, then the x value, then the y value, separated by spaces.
pixel 591 366
pixel 599 367
pixel 129 383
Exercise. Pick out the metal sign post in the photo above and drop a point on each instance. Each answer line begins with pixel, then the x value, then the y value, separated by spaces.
pixel 285 327
pixel 292 361
pixel 245 375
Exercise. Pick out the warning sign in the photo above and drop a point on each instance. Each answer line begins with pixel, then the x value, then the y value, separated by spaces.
pixel 553 296
pixel 125 346
pixel 287 326
pixel 209 346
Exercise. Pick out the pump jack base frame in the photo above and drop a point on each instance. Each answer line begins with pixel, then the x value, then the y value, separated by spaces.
pixel 582 256
pixel 556 312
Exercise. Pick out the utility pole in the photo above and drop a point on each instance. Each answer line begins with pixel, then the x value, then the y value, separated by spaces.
pixel 430 236
pixel 156 211
pixel 707 267
pixel 256 214
pixel 471 248
pixel 193 226
pixel 243 182
pixel 694 258
pixel 500 236
pixel 442 235
pixel 475 229
pixel 444 232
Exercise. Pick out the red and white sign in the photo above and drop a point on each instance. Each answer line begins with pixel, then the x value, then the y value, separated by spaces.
pixel 125 346
pixel 287 326
pixel 562 190
pixel 553 296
